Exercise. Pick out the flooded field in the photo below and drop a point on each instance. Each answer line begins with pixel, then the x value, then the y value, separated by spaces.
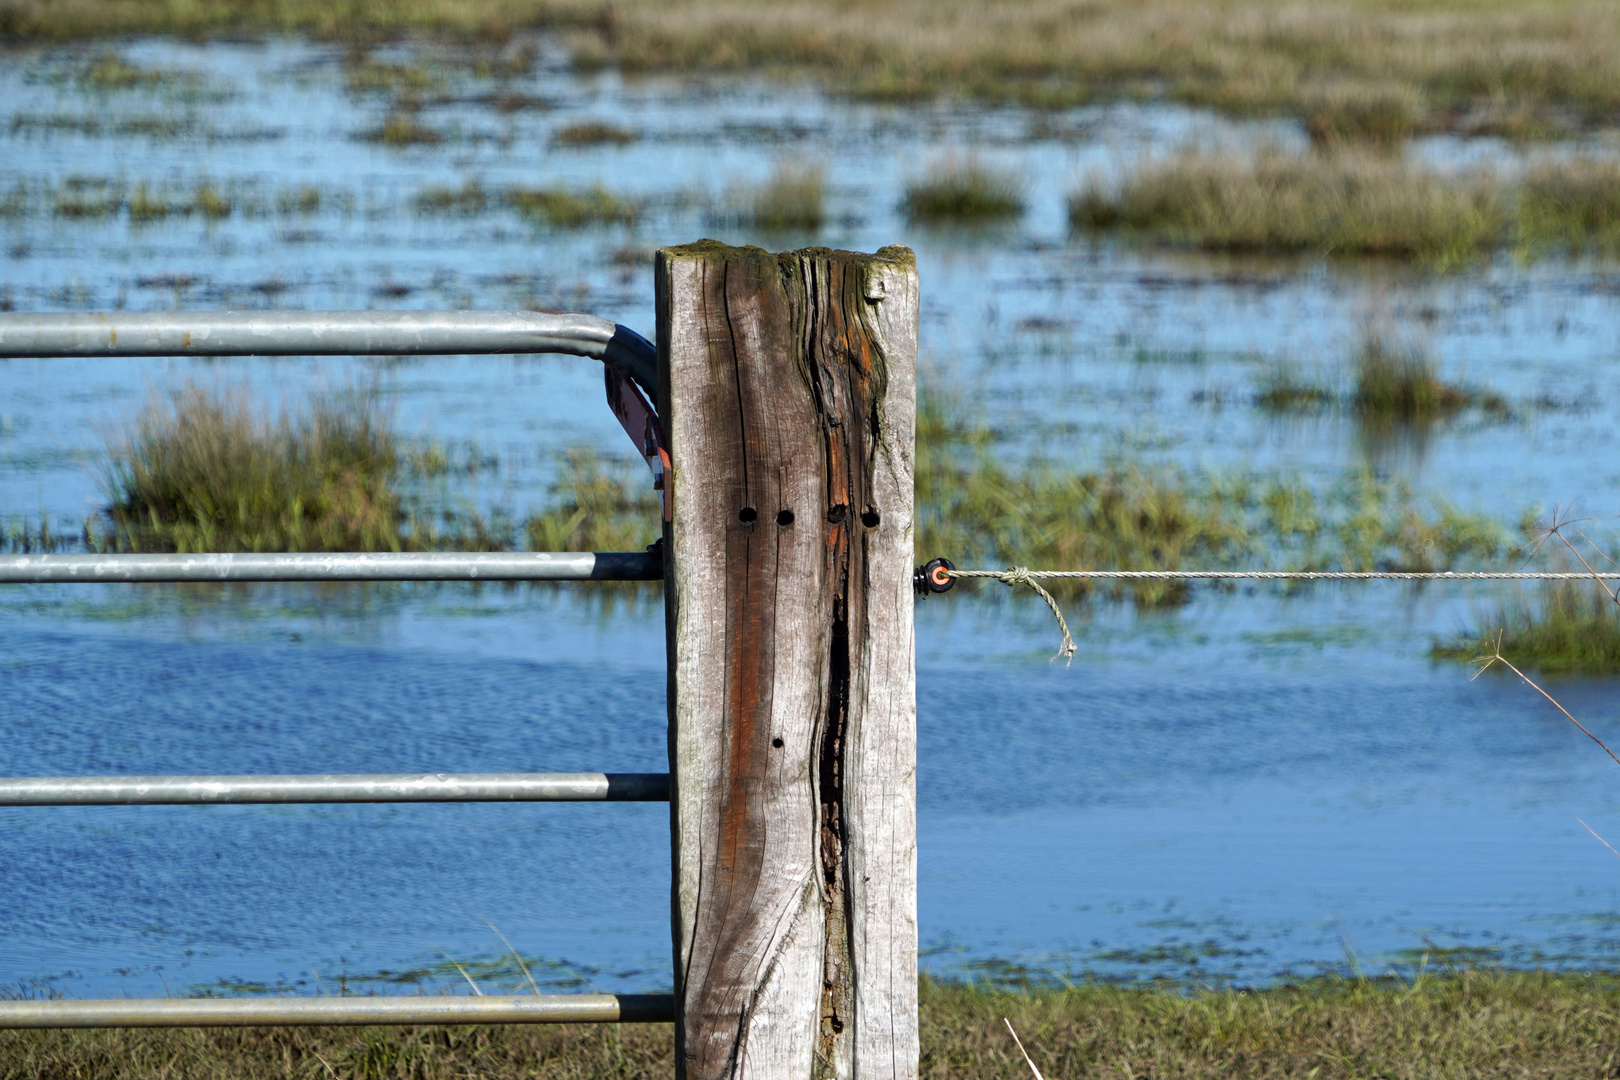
pixel 1250 785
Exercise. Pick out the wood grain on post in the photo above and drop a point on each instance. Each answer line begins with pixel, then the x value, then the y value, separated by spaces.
pixel 788 392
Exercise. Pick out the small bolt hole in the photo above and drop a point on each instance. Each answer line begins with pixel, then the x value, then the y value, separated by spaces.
pixel 784 518
pixel 747 515
pixel 836 514
pixel 777 743
pixel 869 518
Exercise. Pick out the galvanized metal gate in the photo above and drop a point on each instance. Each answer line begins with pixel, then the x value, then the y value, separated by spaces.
pixel 630 366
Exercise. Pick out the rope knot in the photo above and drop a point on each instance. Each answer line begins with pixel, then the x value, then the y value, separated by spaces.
pixel 1015 576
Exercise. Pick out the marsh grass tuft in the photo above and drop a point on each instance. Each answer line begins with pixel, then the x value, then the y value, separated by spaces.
pixel 22 536
pixel 403 127
pixel 1568 628
pixel 1283 388
pixel 1349 202
pixel 963 191
pixel 1379 116
pixel 792 198
pixel 597 505
pixel 202 470
pixel 563 208
pixel 1338 204
pixel 1476 1024
pixel 148 203
pixel 593 133
pixel 1571 206
pixel 470 199
pixel 1401 381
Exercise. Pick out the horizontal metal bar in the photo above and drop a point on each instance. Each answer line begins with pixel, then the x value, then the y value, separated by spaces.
pixel 360 566
pixel 326 333
pixel 360 788
pixel 320 1011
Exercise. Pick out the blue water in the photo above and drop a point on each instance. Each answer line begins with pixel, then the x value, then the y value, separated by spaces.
pixel 1250 788
pixel 1226 809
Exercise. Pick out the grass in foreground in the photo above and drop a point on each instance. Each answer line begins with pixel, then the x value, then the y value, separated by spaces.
pixel 962 191
pixel 1567 629
pixel 1356 203
pixel 1349 68
pixel 1474 1025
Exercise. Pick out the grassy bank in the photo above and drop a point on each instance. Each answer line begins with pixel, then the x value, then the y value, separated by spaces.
pixel 1358 203
pixel 1468 1025
pixel 1350 69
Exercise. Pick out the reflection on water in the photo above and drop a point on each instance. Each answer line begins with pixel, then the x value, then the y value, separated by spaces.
pixel 1248 787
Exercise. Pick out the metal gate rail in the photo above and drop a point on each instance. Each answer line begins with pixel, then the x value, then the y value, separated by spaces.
pixel 294 1012
pixel 327 333
pixel 625 353
pixel 337 788
pixel 365 566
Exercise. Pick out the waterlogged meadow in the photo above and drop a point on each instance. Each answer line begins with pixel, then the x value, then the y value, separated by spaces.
pixel 1208 328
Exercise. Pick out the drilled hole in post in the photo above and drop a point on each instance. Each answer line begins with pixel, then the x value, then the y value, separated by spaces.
pixel 777 743
pixel 784 518
pixel 747 515
pixel 836 514
pixel 869 518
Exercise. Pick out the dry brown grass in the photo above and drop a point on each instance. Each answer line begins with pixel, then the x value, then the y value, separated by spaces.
pixel 1352 68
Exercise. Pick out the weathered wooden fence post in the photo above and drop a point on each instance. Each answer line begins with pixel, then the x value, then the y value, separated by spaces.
pixel 788 387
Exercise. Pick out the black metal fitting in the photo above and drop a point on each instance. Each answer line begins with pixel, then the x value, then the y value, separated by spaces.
pixel 929 579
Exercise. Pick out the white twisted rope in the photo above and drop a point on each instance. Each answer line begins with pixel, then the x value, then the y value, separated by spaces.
pixel 1014 576
pixel 1024 574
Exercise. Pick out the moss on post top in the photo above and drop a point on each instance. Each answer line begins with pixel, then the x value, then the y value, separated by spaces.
pixel 714 249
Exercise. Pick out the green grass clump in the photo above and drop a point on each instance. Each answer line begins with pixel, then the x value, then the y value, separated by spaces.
pixel 967 191
pixel 21 536
pixel 1572 206
pixel 1569 629
pixel 1339 204
pixel 470 199
pixel 596 507
pixel 367 75
pixel 304 199
pixel 205 199
pixel 1350 202
pixel 89 198
pixel 403 127
pixel 1380 116
pixel 791 199
pixel 1283 389
pixel 1402 381
pixel 593 133
pixel 202 471
pixel 564 209
pixel 1475 1025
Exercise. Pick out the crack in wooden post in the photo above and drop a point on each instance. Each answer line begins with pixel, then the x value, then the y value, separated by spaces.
pixel 787 388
